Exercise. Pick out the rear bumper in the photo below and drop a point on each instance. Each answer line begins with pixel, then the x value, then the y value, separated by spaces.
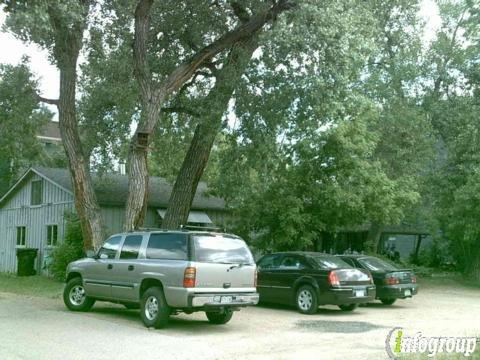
pixel 400 291
pixel 222 300
pixel 348 295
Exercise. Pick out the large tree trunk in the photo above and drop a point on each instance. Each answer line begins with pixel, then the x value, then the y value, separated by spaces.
pixel 68 42
pixel 154 94
pixel 373 237
pixel 196 159
pixel 86 203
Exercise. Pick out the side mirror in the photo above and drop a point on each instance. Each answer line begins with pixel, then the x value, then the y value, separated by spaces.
pixel 103 256
pixel 91 254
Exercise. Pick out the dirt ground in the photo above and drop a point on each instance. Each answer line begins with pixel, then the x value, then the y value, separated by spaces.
pixel 41 328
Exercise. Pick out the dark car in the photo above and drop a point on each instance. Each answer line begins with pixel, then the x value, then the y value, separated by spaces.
pixel 309 279
pixel 392 283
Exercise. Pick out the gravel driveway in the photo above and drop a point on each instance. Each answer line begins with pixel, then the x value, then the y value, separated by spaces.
pixel 40 328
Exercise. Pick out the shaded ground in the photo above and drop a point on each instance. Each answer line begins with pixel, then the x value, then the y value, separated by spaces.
pixel 41 328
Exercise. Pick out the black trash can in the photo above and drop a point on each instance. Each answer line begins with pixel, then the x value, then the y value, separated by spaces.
pixel 26 261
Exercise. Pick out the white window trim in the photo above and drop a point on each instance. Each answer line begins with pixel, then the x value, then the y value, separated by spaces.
pixel 46 229
pixel 16 229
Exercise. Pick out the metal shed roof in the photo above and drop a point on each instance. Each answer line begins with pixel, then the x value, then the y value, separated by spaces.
pixel 112 189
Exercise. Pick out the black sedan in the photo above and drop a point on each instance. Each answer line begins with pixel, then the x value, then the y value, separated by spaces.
pixel 309 279
pixel 392 283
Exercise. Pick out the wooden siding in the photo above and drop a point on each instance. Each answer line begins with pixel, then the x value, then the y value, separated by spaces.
pixel 17 211
pixel 114 216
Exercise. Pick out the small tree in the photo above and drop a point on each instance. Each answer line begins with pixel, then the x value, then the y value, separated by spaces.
pixel 70 250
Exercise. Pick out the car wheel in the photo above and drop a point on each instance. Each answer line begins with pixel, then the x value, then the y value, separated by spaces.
pixel 349 307
pixel 220 318
pixel 306 300
pixel 154 309
pixel 388 301
pixel 75 297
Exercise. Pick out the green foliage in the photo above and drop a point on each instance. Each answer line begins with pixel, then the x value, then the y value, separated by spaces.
pixel 21 118
pixel 69 250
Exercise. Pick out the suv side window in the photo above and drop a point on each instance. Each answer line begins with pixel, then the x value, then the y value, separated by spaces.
pixel 269 262
pixel 167 246
pixel 110 247
pixel 131 247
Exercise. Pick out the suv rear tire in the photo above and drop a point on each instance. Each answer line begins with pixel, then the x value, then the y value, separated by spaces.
pixel 306 300
pixel 220 318
pixel 154 309
pixel 75 297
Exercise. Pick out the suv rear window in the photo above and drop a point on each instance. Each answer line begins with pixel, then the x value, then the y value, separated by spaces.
pixel 167 247
pixel 221 249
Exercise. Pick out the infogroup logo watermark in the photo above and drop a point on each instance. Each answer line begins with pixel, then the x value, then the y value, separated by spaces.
pixel 397 343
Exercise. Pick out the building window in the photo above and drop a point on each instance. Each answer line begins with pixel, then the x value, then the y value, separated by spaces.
pixel 37 192
pixel 21 235
pixel 52 235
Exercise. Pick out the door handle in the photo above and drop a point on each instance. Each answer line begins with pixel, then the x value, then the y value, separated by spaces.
pixel 131 267
pixel 109 266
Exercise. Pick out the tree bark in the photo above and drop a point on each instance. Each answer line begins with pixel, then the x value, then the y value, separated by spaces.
pixel 373 237
pixel 68 42
pixel 154 94
pixel 213 108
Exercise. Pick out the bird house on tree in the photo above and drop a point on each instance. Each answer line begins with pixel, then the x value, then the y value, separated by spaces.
pixel 142 139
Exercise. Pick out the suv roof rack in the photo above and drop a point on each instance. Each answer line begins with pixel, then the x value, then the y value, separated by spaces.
pixel 149 229
pixel 182 228
pixel 204 228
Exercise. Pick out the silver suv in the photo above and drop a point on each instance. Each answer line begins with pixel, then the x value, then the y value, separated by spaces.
pixel 164 273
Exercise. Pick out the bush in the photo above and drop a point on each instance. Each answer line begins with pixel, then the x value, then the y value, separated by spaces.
pixel 70 250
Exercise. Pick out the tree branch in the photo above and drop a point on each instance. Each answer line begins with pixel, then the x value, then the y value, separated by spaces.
pixel 142 25
pixel 184 71
pixel 47 101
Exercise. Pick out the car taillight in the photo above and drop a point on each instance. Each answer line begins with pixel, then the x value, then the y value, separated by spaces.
pixel 255 278
pixel 414 279
pixel 333 278
pixel 189 277
pixel 392 280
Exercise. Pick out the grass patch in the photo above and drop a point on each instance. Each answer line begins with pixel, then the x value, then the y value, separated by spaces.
pixel 30 285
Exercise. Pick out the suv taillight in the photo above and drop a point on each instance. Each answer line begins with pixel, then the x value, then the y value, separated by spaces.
pixel 333 278
pixel 189 277
pixel 414 279
pixel 255 278
pixel 392 280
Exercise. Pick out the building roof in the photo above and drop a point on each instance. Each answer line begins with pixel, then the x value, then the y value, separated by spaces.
pixel 50 131
pixel 112 189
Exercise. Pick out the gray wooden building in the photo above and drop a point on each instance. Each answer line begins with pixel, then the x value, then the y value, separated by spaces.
pixel 32 212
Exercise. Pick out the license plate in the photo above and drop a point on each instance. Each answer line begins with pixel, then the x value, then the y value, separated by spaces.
pixel 226 299
pixel 359 293
pixel 408 292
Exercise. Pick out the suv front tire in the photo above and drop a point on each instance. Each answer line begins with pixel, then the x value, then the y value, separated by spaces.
pixel 75 297
pixel 154 309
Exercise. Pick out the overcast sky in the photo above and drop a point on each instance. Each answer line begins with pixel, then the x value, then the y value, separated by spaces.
pixel 12 50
